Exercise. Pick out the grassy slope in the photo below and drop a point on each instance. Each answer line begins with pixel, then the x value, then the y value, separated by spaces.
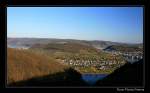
pixel 24 64
pixel 68 47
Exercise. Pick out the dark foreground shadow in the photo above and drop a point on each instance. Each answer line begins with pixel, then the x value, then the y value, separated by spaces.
pixel 69 77
pixel 127 75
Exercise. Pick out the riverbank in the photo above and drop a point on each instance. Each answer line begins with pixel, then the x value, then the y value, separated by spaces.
pixel 94 71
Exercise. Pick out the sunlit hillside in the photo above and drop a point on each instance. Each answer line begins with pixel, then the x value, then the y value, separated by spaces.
pixel 25 64
pixel 126 48
pixel 66 47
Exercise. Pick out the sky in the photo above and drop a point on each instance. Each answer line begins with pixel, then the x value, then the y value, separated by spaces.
pixel 117 24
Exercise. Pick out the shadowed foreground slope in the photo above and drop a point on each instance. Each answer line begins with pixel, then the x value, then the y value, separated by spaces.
pixel 127 75
pixel 69 77
pixel 25 68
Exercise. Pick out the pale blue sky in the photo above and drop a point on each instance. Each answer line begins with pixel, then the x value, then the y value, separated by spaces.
pixel 118 24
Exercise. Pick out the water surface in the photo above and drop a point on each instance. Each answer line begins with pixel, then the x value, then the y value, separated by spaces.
pixel 92 78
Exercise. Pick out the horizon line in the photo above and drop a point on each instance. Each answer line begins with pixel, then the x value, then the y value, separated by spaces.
pixel 77 39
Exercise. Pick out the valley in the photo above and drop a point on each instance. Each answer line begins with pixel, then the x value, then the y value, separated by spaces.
pixel 82 55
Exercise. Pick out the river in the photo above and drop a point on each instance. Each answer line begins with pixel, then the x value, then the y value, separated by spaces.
pixel 92 78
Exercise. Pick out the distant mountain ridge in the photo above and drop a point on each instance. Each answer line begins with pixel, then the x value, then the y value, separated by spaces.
pixel 28 42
